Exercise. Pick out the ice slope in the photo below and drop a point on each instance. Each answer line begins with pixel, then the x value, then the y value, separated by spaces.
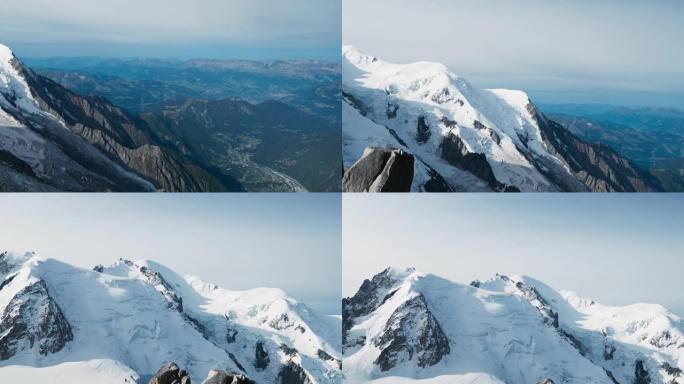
pixel 252 316
pixel 101 371
pixel 128 319
pixel 496 123
pixel 615 337
pixel 500 331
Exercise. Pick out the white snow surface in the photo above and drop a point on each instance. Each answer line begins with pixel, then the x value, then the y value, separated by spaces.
pixel 450 105
pixel 498 333
pixel 125 325
pixel 13 84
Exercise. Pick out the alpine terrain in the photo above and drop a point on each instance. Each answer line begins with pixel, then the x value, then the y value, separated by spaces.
pixel 469 139
pixel 403 325
pixel 122 323
pixel 56 139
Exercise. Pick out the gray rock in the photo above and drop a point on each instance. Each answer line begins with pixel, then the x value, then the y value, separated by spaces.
pixel 223 377
pixel 293 374
pixel 411 332
pixel 455 152
pixel 33 317
pixel 380 170
pixel 170 373
pixel 261 358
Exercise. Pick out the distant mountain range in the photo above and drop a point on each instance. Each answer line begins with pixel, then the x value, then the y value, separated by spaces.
pixel 403 325
pixel 195 138
pixel 467 139
pixel 121 323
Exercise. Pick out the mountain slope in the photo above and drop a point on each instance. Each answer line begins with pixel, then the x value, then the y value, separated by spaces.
pixel 126 320
pixel 474 139
pixel 269 146
pixel 505 330
pixel 54 139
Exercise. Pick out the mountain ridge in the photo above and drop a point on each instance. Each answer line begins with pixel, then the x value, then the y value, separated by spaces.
pixel 492 139
pixel 551 335
pixel 149 315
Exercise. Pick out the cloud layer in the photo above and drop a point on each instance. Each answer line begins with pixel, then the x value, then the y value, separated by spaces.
pixel 76 25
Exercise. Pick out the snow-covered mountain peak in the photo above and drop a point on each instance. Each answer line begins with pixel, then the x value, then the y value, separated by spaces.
pixel 477 329
pixel 468 139
pixel 15 92
pixel 148 314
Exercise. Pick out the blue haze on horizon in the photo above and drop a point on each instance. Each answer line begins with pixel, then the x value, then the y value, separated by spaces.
pixel 617 249
pixel 237 241
pixel 181 29
pixel 613 52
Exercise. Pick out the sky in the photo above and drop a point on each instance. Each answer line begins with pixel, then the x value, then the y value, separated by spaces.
pixel 614 248
pixel 557 51
pixel 237 241
pixel 254 29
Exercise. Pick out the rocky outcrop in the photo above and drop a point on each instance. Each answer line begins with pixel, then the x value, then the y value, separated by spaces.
pixel 223 377
pixel 261 358
pixel 367 299
pixel 455 152
pixel 598 167
pixel 380 170
pixel 170 373
pixel 33 318
pixel 641 375
pixel 411 333
pixel 292 373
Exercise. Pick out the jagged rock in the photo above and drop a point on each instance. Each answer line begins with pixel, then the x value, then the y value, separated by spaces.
pixel 546 381
pixel 33 317
pixel 380 170
pixel 455 152
pixel 411 331
pixel 598 167
pixel 231 335
pixel 170 373
pixel 423 132
pixel 368 298
pixel 641 375
pixel 287 350
pixel 281 322
pixel 261 358
pixel 223 377
pixel 292 373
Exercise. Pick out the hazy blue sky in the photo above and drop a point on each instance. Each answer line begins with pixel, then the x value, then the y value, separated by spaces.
pixel 173 28
pixel 238 241
pixel 614 248
pixel 596 47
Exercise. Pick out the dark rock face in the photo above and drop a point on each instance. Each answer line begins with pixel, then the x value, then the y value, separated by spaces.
pixel 223 377
pixel 261 358
pixel 423 132
pixel 380 170
pixel 123 137
pixel 170 373
pixel 367 299
pixel 641 375
pixel 546 381
pixel 598 167
pixel 531 294
pixel 293 374
pixel 33 317
pixel 455 152
pixel 412 331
